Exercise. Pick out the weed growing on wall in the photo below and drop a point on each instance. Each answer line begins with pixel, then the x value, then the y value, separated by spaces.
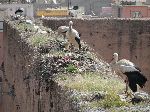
pixel 39 39
pixel 71 68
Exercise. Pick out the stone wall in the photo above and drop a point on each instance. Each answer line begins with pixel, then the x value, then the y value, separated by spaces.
pixel 23 91
pixel 129 38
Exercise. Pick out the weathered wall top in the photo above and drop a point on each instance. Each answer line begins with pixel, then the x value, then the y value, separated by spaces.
pixel 23 88
pixel 40 76
pixel 129 37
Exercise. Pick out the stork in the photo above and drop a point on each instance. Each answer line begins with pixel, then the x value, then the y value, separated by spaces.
pixel 130 72
pixel 73 36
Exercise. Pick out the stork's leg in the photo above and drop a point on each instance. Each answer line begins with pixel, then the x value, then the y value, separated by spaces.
pixel 76 45
pixel 64 35
pixel 113 71
pixel 67 46
pixel 127 83
pixel 127 86
pixel 71 47
pixel 128 93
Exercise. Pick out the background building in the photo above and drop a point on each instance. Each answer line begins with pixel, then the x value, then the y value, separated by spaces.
pixel 131 8
pixel 92 7
pixel 148 2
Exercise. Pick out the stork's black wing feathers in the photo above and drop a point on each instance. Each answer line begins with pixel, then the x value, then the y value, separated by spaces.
pixel 133 86
pixel 18 11
pixel 79 34
pixel 138 68
pixel 78 41
pixel 134 78
pixel 64 32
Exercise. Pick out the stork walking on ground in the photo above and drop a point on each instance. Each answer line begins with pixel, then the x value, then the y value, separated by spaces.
pixel 73 37
pixel 128 70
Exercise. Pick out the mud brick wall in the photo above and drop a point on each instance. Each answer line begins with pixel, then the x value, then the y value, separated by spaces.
pixel 128 37
pixel 22 89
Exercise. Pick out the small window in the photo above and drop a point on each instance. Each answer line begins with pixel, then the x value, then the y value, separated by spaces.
pixel 136 14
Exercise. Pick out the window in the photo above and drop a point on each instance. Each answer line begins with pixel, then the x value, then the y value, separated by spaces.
pixel 136 14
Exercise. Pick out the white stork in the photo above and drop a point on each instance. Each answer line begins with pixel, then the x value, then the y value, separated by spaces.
pixel 132 73
pixel 73 36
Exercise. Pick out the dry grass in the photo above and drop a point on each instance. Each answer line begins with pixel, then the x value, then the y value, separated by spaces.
pixel 95 82
pixel 22 26
pixel 39 39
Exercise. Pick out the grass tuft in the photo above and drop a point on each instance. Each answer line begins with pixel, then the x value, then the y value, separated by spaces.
pixel 95 82
pixel 39 39
pixel 110 100
pixel 23 26
pixel 71 68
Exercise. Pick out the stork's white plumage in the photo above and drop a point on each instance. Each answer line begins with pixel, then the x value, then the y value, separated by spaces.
pixel 122 61
pixel 125 68
pixel 123 64
pixel 28 21
pixel 63 29
pixel 128 70
pixel 73 36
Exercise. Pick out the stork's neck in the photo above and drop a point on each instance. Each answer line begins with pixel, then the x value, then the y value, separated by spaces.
pixel 115 60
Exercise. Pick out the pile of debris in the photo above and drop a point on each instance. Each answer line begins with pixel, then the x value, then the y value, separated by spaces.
pixel 55 60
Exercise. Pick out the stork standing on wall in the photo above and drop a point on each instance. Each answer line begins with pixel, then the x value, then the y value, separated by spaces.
pixel 73 36
pixel 131 73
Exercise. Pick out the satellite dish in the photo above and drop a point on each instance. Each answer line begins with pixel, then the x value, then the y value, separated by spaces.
pixel 20 10
pixel 75 7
